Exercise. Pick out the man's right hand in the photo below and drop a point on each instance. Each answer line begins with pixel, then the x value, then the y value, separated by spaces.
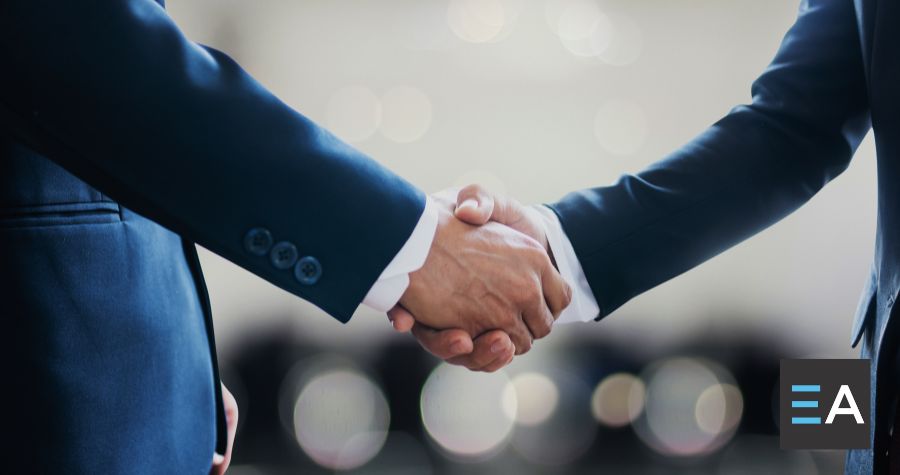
pixel 482 278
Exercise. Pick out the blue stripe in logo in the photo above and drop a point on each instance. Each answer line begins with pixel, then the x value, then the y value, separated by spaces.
pixel 806 420
pixel 805 388
pixel 804 403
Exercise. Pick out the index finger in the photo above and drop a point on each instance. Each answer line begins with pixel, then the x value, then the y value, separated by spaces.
pixel 557 292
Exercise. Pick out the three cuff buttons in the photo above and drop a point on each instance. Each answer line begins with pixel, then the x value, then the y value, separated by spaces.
pixel 258 241
pixel 283 255
pixel 308 270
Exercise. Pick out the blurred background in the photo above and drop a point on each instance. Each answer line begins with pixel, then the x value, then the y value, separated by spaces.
pixel 534 98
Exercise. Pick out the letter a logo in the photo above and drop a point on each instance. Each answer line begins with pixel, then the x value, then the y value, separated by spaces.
pixel 836 408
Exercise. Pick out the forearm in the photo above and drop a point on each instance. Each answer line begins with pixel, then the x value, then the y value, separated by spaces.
pixel 653 226
pixel 757 165
pixel 115 93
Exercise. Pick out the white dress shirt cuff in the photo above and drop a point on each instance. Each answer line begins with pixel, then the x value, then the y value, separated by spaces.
pixel 394 280
pixel 583 307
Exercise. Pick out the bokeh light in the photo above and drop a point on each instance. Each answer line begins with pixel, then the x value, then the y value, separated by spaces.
pixel 341 419
pixel 624 44
pixel 682 415
pixel 353 113
pixel 557 437
pixel 587 30
pixel 476 21
pixel 530 398
pixel 554 9
pixel 621 127
pixel 719 408
pixel 584 29
pixel 406 114
pixel 618 400
pixel 464 413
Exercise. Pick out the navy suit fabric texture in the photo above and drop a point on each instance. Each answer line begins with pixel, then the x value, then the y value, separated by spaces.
pixel 835 77
pixel 122 144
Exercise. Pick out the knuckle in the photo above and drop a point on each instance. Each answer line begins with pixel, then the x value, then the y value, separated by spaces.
pixel 541 332
pixel 536 246
pixel 457 361
pixel 523 348
pixel 567 296
pixel 506 319
pixel 533 287
pixel 555 313
pixel 557 303
pixel 520 296
pixel 542 329
pixel 534 250
pixel 515 319
pixel 529 293
pixel 480 360
pixel 470 191
pixel 444 341
pixel 538 257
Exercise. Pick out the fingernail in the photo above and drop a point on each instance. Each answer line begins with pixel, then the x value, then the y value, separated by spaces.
pixel 469 203
pixel 456 347
pixel 497 347
pixel 218 459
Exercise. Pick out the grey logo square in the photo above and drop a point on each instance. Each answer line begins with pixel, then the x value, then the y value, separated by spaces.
pixel 824 404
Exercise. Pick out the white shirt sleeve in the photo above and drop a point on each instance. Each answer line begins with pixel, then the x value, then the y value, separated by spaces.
pixel 394 280
pixel 583 307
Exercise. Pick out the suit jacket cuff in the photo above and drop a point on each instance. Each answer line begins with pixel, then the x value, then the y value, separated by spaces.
pixel 583 307
pixel 394 280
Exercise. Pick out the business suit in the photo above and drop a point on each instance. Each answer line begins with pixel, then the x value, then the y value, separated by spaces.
pixel 835 75
pixel 121 145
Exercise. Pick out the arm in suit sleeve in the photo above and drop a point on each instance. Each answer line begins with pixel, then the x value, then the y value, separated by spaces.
pixel 114 92
pixel 753 167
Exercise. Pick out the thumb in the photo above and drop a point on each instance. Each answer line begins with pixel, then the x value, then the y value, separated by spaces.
pixel 444 344
pixel 401 319
pixel 474 205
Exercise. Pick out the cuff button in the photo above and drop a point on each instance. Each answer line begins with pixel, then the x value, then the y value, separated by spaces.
pixel 308 270
pixel 258 241
pixel 283 255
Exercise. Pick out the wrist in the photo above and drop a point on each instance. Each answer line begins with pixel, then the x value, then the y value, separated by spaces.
pixel 416 284
pixel 535 215
pixel 394 279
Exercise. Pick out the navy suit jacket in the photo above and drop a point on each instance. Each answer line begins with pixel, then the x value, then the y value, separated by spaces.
pixel 121 145
pixel 836 74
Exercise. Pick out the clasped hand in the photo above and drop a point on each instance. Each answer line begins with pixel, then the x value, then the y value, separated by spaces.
pixel 488 287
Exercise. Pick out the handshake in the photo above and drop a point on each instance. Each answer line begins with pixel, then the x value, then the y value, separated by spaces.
pixel 489 286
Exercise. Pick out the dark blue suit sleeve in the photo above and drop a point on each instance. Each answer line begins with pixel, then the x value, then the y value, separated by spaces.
pixel 113 91
pixel 755 166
